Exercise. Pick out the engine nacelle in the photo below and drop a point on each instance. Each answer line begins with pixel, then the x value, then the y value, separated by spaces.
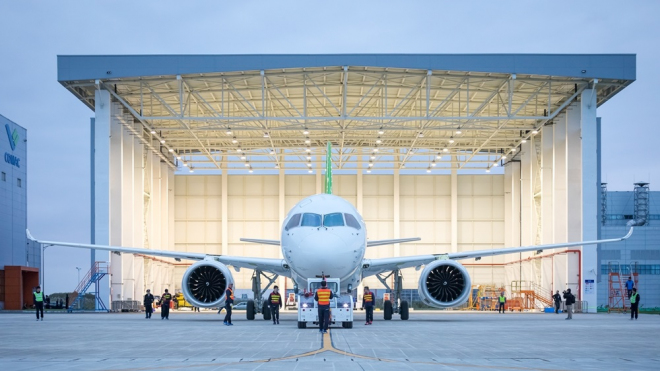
pixel 444 284
pixel 205 282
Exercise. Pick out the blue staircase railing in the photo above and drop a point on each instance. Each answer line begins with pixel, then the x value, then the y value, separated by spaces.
pixel 93 277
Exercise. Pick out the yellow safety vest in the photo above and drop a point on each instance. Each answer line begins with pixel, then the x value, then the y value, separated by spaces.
pixel 633 298
pixel 39 296
pixel 502 299
pixel 275 298
pixel 368 297
pixel 324 296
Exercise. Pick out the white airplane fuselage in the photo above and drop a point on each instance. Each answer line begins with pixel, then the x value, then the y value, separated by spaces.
pixel 324 234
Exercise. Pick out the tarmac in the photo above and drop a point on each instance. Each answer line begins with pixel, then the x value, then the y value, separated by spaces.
pixel 440 340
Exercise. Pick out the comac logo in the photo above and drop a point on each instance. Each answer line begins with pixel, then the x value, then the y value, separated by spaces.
pixel 13 137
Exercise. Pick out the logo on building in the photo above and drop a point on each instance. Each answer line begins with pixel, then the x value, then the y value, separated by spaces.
pixel 13 137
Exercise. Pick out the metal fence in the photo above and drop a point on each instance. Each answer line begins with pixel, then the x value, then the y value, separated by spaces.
pixel 126 306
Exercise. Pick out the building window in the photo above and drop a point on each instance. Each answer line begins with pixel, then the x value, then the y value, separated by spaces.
pixel 18 182
pixel 3 177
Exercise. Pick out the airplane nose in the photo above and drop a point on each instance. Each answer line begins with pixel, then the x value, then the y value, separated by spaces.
pixel 325 252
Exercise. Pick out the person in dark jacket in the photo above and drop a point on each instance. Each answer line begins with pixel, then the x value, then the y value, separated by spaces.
pixel 570 300
pixel 229 304
pixel 275 303
pixel 148 304
pixel 38 299
pixel 557 299
pixel 634 304
pixel 368 299
pixel 165 300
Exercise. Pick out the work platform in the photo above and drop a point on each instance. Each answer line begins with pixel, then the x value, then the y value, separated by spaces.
pixel 428 341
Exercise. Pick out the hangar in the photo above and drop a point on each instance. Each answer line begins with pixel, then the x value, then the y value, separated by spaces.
pixel 468 152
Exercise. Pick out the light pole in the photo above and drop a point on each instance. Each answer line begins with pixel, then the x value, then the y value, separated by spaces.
pixel 78 268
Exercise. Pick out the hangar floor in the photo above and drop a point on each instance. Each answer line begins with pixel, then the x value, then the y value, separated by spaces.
pixel 429 341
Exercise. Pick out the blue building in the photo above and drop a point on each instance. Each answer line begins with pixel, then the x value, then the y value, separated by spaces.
pixel 19 263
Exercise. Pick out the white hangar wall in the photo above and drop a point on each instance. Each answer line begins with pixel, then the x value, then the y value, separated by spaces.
pixel 423 210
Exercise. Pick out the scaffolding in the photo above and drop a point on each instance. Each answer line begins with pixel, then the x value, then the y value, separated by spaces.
pixel 618 300
pixel 529 295
pixel 603 203
pixel 642 203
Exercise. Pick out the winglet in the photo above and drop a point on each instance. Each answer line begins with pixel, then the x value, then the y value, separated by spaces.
pixel 327 188
pixel 29 235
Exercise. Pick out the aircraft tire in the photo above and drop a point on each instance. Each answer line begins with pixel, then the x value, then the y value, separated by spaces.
pixel 347 324
pixel 302 324
pixel 266 311
pixel 404 310
pixel 387 310
pixel 249 310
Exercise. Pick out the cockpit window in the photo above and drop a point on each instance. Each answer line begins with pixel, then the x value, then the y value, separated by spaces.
pixel 311 220
pixel 293 222
pixel 352 222
pixel 333 220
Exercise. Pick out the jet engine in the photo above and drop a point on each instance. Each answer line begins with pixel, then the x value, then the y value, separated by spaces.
pixel 444 284
pixel 205 282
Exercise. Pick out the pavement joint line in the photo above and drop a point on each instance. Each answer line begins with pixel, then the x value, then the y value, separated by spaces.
pixel 327 346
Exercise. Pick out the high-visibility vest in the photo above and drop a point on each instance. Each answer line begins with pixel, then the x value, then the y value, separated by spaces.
pixel 368 297
pixel 324 296
pixel 502 299
pixel 231 292
pixel 275 298
pixel 633 298
pixel 167 297
pixel 39 296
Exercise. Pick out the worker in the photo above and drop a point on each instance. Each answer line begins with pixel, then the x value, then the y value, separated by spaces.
pixel 557 299
pixel 148 304
pixel 634 304
pixel 502 301
pixel 323 296
pixel 275 303
pixel 368 304
pixel 570 300
pixel 629 286
pixel 38 299
pixel 165 301
pixel 229 304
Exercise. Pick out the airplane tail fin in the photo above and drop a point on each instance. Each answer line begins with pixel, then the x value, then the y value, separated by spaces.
pixel 327 187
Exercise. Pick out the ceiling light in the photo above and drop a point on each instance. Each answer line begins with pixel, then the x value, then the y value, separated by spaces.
pixel 247 164
pixel 428 170
pixel 250 170
pixel 403 166
pixel 380 131
pixel 277 166
pixel 310 171
pixel 171 150
pixel 309 165
pixel 375 149
pixel 272 151
pixel 513 149
pixel 162 141
pixel 307 141
pixel 495 164
pixel 368 170
pixel 373 157
pixel 153 131
pixel 308 150
pixel 228 132
pixel 309 157
pixel 420 135
pixel 535 132
pixel 433 164
pixel 371 164
pixel 265 135
pixel 459 132
pixel 234 140
pixel 238 150
pixel 523 141
pixel 488 170
pixel 184 164
pixel 378 141
pixel 445 150
pixel 504 157
pixel 178 157
pixel 305 131
pixel 451 139
pixel 243 157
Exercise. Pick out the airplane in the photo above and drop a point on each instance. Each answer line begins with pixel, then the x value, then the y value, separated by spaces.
pixel 323 235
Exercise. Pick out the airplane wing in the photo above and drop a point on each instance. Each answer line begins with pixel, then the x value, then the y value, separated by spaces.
pixel 264 264
pixel 391 242
pixel 263 242
pixel 372 267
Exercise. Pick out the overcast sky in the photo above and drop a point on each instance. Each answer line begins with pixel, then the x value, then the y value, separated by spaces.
pixel 33 33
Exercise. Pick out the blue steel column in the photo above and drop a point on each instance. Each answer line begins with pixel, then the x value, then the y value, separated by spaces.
pixel 92 224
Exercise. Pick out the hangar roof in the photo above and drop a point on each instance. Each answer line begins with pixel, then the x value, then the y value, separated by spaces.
pixel 380 111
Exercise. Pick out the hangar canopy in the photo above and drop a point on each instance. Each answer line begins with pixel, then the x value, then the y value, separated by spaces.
pixel 379 111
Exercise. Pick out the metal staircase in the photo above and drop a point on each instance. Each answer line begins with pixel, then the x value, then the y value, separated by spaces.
pixel 617 294
pixel 530 295
pixel 93 277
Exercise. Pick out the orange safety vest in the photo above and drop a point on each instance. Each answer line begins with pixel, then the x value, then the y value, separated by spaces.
pixel 369 297
pixel 324 296
pixel 232 293
pixel 275 298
